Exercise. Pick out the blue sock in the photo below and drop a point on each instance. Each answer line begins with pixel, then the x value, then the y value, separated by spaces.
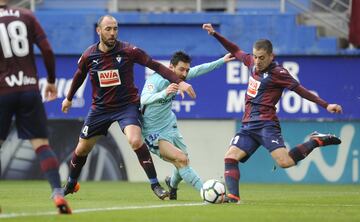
pixel 190 177
pixel 175 179
pixel 154 181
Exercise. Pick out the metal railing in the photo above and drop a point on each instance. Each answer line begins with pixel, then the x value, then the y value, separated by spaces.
pixel 342 17
pixel 31 4
pixel 171 5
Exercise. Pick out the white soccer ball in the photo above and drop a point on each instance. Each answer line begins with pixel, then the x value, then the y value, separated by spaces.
pixel 213 191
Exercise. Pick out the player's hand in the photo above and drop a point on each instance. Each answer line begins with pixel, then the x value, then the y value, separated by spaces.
pixel 65 106
pixel 50 92
pixel 208 27
pixel 228 57
pixel 334 108
pixel 186 87
pixel 172 88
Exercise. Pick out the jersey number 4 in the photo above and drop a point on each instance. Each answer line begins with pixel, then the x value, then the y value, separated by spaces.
pixel 13 39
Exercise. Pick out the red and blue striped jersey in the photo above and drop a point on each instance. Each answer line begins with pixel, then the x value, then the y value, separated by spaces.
pixel 265 88
pixel 19 31
pixel 111 75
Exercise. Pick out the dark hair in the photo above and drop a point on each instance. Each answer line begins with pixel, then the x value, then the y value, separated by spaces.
pixel 180 56
pixel 264 44
pixel 102 18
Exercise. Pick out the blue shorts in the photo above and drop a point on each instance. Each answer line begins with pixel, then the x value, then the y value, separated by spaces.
pixel 170 134
pixel 29 112
pixel 253 134
pixel 97 122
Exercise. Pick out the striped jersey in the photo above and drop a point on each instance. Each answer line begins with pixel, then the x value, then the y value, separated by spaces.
pixel 112 76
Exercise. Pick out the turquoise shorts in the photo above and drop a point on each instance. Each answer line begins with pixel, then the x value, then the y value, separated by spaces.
pixel 170 134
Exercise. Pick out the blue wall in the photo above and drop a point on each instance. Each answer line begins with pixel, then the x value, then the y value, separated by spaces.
pixel 72 32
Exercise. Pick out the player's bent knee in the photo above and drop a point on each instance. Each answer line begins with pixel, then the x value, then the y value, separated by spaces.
pixel 181 160
pixel 135 143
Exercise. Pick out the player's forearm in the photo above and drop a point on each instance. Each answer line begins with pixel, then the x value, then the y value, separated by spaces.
pixel 148 98
pixel 163 71
pixel 234 49
pixel 303 92
pixel 229 46
pixel 204 68
pixel 77 81
pixel 49 60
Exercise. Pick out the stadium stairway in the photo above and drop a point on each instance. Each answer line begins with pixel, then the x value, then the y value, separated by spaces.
pixel 181 30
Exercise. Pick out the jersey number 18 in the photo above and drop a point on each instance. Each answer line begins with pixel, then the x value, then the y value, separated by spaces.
pixel 13 39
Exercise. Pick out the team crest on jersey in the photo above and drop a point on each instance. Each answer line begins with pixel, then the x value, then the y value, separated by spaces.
pixel 118 58
pixel 109 78
pixel 265 75
pixel 150 87
pixel 253 87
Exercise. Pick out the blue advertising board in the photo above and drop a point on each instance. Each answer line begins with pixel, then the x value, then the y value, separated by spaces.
pixel 220 93
pixel 335 164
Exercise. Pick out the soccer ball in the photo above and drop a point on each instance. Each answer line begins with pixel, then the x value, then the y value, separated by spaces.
pixel 213 191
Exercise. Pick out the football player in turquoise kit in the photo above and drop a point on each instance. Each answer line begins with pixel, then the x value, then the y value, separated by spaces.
pixel 260 125
pixel 19 90
pixel 159 121
pixel 115 98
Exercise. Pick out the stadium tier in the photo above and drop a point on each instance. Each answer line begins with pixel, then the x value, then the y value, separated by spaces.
pixel 176 28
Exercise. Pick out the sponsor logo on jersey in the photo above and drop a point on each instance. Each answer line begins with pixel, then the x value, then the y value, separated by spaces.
pixel 253 87
pixel 20 80
pixel 109 78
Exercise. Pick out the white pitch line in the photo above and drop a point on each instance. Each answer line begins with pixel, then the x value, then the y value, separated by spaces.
pixel 12 215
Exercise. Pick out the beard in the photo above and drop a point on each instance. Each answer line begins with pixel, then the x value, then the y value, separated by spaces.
pixel 108 42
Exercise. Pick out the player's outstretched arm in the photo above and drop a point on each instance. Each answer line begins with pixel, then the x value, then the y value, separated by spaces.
pixel 208 67
pixel 229 46
pixel 334 108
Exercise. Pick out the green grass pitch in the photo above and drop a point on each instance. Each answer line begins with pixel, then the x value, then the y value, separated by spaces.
pixel 123 201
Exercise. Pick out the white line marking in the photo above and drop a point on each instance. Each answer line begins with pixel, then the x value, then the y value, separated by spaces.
pixel 78 211
pixel 12 215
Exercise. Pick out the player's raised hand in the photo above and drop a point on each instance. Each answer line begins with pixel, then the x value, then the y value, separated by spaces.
pixel 65 106
pixel 172 88
pixel 228 57
pixel 186 87
pixel 208 27
pixel 50 92
pixel 334 108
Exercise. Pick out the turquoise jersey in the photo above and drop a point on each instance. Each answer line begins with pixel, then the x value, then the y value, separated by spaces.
pixel 156 105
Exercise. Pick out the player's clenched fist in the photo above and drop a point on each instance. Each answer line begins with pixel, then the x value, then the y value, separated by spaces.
pixel 208 27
